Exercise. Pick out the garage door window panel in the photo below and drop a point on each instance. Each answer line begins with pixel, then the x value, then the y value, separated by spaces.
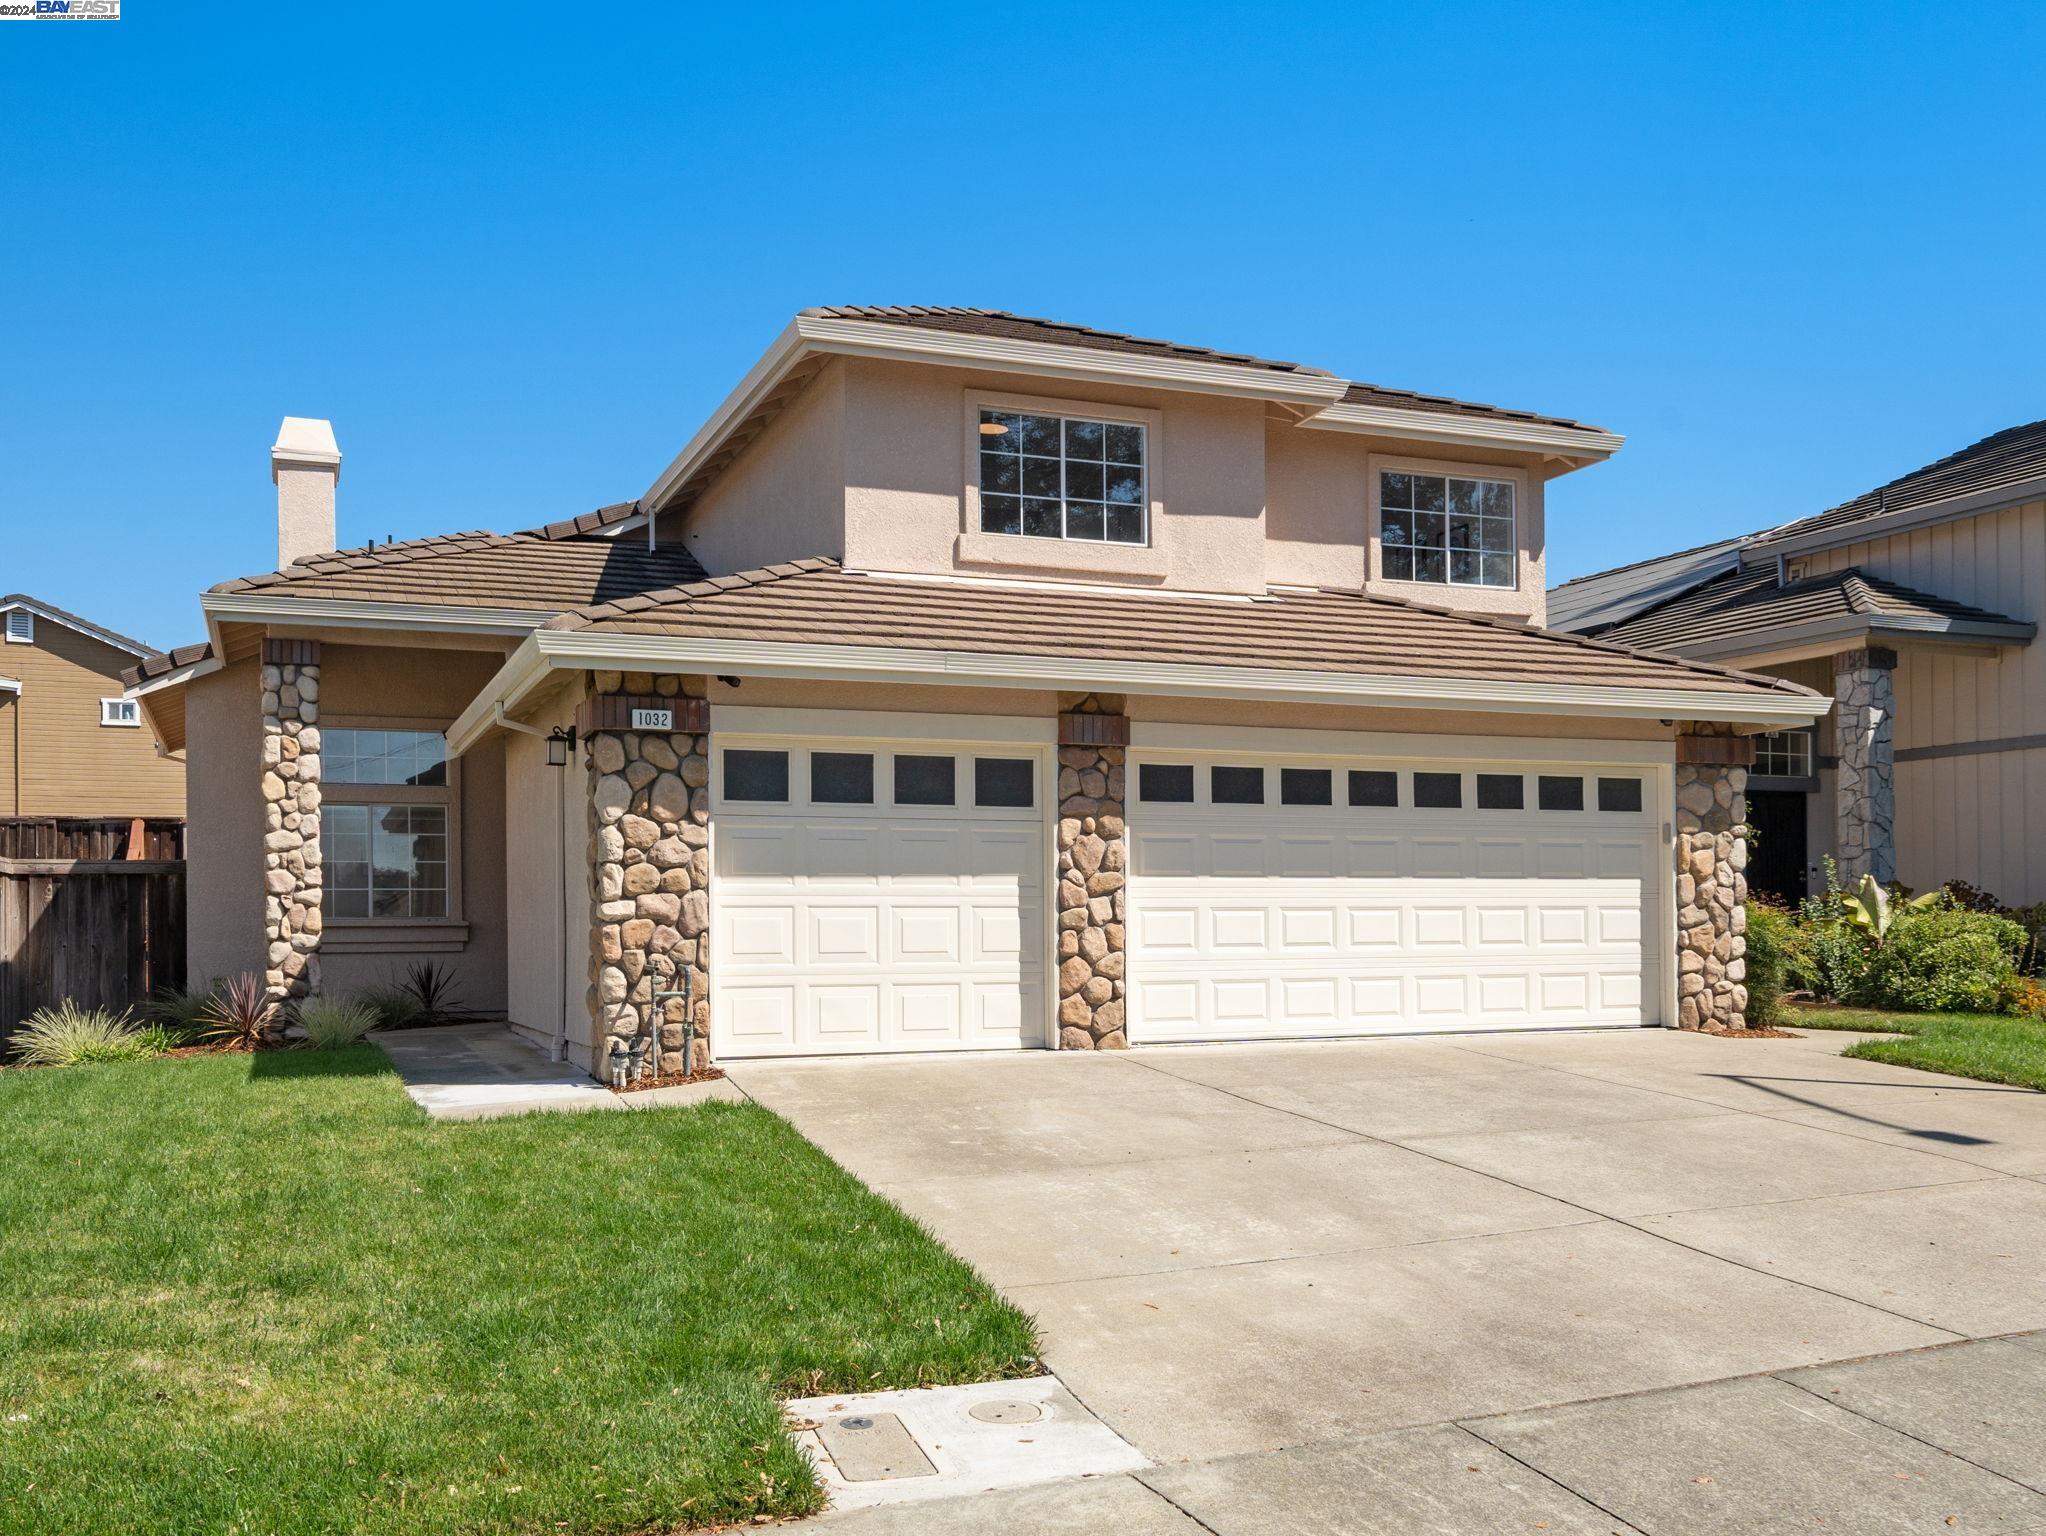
pixel 1438 791
pixel 842 778
pixel 1306 786
pixel 1165 783
pixel 1501 792
pixel 1004 783
pixel 756 777
pixel 1619 795
pixel 1236 786
pixel 1559 792
pixel 1375 788
pixel 924 779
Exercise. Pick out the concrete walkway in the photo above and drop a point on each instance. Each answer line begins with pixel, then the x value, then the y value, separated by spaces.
pixel 1570 1283
pixel 480 1071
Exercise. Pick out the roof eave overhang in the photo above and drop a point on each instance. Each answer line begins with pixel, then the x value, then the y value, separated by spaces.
pixel 339 613
pixel 549 650
pixel 1587 444
pixel 1880 525
pixel 1802 642
pixel 75 625
pixel 810 336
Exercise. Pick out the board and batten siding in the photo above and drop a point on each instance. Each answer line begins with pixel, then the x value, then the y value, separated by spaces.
pixel 1979 816
pixel 56 759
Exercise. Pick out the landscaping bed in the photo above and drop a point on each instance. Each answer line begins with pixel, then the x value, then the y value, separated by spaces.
pixel 261 1293
pixel 1997 1048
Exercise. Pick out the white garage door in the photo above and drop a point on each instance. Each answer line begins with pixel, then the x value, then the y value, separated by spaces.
pixel 869 897
pixel 1277 899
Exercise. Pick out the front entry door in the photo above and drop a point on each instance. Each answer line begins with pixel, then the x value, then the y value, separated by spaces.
pixel 1776 856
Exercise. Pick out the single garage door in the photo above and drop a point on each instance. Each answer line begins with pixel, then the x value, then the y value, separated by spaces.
pixel 874 897
pixel 1274 898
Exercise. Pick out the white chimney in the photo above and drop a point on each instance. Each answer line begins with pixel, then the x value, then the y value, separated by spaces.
pixel 305 463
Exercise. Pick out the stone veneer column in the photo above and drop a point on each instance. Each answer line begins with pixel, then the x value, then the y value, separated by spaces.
pixel 1092 860
pixel 1865 797
pixel 649 863
pixel 1712 855
pixel 291 818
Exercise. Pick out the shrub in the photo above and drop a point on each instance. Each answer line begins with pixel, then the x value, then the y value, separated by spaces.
pixel 394 1007
pixel 1769 935
pixel 1942 960
pixel 427 995
pixel 330 1022
pixel 240 1013
pixel 68 1035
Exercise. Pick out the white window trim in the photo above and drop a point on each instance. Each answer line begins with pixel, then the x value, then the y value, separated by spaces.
pixel 1378 464
pixel 455 924
pixel 21 627
pixel 111 711
pixel 1062 554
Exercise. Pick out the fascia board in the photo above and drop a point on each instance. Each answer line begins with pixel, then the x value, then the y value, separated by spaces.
pixel 359 614
pixel 1473 431
pixel 1813 637
pixel 1883 524
pixel 849 663
pixel 76 626
pixel 868 338
pixel 175 677
pixel 760 381
pixel 522 670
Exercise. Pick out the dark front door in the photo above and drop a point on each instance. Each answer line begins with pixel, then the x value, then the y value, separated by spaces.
pixel 1776 855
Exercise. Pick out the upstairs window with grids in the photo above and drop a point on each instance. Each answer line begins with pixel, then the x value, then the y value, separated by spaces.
pixel 1062 477
pixel 1448 529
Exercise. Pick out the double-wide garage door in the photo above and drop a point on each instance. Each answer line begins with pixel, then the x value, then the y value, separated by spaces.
pixel 878 896
pixel 1274 899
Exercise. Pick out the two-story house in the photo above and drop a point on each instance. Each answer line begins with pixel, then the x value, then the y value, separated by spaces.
pixel 972 682
pixel 1915 605
pixel 71 741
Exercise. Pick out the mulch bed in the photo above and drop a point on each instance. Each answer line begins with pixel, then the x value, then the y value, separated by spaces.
pixel 1765 1033
pixel 673 1080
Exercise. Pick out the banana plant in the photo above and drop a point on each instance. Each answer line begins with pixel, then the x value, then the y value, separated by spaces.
pixel 1872 909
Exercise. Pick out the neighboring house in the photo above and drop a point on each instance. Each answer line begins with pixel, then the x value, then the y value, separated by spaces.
pixel 71 742
pixel 976 682
pixel 1916 606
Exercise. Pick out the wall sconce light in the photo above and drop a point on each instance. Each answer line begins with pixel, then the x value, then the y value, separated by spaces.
pixel 560 743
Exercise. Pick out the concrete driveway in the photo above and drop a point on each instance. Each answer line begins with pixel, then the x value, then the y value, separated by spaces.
pixel 1563 1283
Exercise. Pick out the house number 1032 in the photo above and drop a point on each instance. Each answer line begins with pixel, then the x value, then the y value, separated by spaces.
pixel 653 719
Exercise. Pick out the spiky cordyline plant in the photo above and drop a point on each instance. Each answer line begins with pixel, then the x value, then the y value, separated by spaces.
pixel 240 1013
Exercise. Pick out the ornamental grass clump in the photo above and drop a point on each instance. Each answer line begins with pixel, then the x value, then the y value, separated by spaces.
pixel 332 1022
pixel 69 1036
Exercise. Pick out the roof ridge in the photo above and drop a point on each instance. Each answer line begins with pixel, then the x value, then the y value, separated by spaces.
pixel 76 621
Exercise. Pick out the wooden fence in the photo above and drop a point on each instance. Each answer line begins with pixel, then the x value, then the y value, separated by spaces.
pixel 102 923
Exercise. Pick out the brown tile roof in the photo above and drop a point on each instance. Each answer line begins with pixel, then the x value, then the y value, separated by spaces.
pixel 2003 459
pixel 996 322
pixel 552 568
pixel 160 662
pixel 547 569
pixel 816 602
pixel 1750 603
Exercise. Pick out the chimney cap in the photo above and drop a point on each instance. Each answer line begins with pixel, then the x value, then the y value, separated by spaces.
pixel 305 442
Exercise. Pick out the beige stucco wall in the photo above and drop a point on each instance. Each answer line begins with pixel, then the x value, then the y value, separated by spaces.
pixel 547 890
pixel 1981 816
pixel 783 497
pixel 907 437
pixel 56 759
pixel 359 684
pixel 224 824
pixel 1321 522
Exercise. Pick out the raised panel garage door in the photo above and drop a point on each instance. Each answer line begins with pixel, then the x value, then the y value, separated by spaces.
pixel 1272 900
pixel 889 900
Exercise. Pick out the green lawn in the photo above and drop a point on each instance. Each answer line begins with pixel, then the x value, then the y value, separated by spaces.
pixel 1993 1047
pixel 263 1295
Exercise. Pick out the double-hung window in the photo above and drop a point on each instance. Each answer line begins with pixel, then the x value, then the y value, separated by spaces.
pixel 387 830
pixel 1456 530
pixel 1062 477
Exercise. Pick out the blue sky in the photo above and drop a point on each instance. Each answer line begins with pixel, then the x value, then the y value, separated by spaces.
pixel 516 253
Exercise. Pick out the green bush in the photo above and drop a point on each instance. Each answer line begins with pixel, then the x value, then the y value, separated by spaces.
pixel 1770 931
pixel 181 1015
pixel 332 1022
pixel 68 1036
pixel 1942 960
